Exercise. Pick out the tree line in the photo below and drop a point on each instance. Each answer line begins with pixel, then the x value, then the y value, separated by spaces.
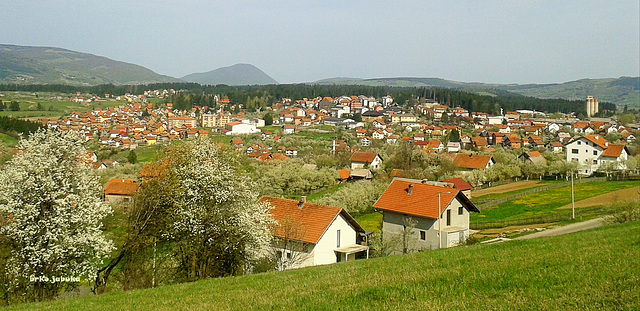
pixel 259 96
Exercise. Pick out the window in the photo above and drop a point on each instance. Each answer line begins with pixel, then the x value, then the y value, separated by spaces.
pixel 595 152
pixel 289 255
pixel 574 151
pixel 448 217
pixel 423 235
pixel 460 210
pixel 338 235
pixel 595 161
pixel 579 143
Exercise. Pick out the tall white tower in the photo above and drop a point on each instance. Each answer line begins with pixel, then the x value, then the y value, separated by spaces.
pixel 592 106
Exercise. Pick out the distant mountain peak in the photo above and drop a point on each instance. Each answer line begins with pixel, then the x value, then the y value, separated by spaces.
pixel 238 74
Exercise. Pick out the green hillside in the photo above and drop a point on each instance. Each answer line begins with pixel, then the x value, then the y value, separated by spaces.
pixel 238 74
pixel 590 270
pixel 48 65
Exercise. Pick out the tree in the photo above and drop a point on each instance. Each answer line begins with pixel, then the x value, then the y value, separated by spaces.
pixel 268 119
pixel 132 157
pixel 215 221
pixel 454 136
pixel 14 106
pixel 52 200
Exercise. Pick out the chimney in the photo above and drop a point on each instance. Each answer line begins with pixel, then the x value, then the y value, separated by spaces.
pixel 302 201
pixel 410 189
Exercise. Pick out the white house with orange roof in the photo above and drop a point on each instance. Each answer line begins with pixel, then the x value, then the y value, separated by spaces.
pixel 592 151
pixel 423 215
pixel 309 234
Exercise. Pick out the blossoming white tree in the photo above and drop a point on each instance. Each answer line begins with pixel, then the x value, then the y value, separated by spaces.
pixel 52 202
pixel 216 220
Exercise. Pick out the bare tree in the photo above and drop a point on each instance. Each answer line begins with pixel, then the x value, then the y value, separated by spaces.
pixel 287 247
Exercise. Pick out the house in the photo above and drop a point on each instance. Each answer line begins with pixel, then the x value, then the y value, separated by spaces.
pixel 120 190
pixel 473 161
pixel 309 234
pixel 460 184
pixel 291 152
pixel 533 157
pixel 361 173
pixel 378 134
pixel 365 160
pixel 555 146
pixel 453 146
pixel 345 176
pixel 421 216
pixel 288 129
pixel 592 151
pixel 435 145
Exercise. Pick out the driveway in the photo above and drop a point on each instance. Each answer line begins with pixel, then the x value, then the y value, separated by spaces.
pixel 585 225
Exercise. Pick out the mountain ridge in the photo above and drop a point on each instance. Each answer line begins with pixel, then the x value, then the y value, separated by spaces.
pixel 52 65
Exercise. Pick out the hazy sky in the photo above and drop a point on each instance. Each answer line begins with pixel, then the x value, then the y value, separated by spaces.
pixel 298 41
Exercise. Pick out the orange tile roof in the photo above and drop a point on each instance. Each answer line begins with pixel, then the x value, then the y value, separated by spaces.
pixel 471 161
pixel 597 140
pixel 312 219
pixel 344 174
pixel 534 154
pixel 366 157
pixel 422 201
pixel 120 187
pixel 613 151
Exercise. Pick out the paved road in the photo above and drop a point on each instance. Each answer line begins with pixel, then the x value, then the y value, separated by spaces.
pixel 589 224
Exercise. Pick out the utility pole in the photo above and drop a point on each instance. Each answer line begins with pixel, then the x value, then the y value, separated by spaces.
pixel 573 204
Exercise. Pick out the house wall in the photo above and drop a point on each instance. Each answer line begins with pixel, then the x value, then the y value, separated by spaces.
pixel 392 227
pixel 323 252
pixel 585 155
pixel 116 199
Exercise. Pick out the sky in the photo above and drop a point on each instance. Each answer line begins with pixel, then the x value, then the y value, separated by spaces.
pixel 508 41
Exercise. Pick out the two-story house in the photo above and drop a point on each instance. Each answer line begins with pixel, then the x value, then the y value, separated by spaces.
pixel 419 215
pixel 593 151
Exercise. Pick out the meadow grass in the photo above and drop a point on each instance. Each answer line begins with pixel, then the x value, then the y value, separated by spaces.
pixel 547 202
pixel 8 140
pixel 590 270
pixel 370 221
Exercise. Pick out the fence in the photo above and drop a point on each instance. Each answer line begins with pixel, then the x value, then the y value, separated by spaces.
pixel 528 221
pixel 481 204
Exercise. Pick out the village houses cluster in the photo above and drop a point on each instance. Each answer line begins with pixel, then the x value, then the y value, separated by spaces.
pixel 417 214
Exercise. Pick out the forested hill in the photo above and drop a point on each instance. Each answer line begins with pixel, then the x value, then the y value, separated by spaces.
pixel 621 91
pixel 254 97
pixel 49 65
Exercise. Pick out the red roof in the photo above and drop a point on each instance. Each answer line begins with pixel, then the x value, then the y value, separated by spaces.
pixel 471 161
pixel 366 157
pixel 419 199
pixel 459 184
pixel 120 187
pixel 311 219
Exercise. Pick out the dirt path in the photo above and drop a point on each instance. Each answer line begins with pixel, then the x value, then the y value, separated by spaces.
pixel 589 224
pixel 519 185
pixel 608 198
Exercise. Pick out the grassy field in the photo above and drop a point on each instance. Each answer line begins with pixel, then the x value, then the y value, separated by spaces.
pixel 47 105
pixel 590 270
pixel 548 202
pixel 370 221
pixel 7 140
